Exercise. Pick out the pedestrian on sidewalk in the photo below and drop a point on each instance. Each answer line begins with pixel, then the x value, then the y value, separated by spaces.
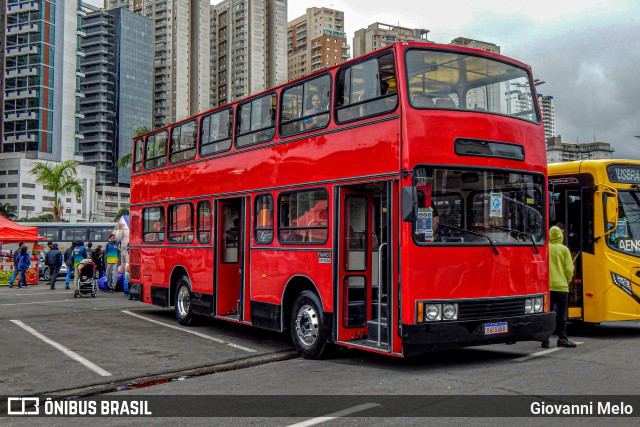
pixel 53 260
pixel 560 274
pixel 16 254
pixel 24 262
pixel 68 259
pixel 112 258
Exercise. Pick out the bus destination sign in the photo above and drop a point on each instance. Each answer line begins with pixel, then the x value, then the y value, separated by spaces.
pixel 624 174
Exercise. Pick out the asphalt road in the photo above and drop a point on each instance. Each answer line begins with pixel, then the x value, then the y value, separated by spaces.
pixel 52 343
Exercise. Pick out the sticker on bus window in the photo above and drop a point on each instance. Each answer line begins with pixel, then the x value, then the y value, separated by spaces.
pixel 622 230
pixel 424 223
pixel 495 201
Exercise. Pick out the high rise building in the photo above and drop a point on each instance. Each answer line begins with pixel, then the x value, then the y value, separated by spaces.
pixel 316 40
pixel 181 55
pixel 248 48
pixel 548 115
pixel 41 117
pixel 378 35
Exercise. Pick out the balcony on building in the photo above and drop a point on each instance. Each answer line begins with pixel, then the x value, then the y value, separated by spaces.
pixel 24 137
pixel 23 50
pixel 31 6
pixel 30 115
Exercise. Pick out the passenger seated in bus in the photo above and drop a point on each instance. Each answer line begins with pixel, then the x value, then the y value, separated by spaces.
pixel 316 106
pixel 445 103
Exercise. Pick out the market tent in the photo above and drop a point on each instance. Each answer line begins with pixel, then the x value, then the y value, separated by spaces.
pixel 11 232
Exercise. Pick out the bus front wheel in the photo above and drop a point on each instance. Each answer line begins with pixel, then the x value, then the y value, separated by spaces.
pixel 183 302
pixel 307 331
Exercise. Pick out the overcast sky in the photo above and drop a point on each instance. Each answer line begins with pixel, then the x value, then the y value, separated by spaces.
pixel 587 51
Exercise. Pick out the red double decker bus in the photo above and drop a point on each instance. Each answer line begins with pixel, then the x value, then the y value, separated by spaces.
pixel 395 203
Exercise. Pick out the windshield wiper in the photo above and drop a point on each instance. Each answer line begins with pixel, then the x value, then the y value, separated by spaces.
pixel 524 233
pixel 474 233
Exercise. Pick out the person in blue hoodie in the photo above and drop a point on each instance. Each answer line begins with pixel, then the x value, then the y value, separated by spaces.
pixel 560 274
pixel 24 262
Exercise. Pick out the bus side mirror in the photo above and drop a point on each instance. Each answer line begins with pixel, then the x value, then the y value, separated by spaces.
pixel 552 207
pixel 612 210
pixel 409 203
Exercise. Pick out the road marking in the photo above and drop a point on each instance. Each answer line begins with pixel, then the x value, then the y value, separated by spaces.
pixel 335 415
pixel 198 334
pixel 72 354
pixel 36 302
pixel 19 294
pixel 541 353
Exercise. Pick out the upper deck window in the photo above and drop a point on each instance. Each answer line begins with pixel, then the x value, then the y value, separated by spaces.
pixel 256 121
pixel 216 132
pixel 456 81
pixel 183 141
pixel 366 89
pixel 305 106
pixel 156 154
pixel 137 154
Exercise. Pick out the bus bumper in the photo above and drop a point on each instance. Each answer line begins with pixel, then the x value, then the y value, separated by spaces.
pixel 135 290
pixel 425 337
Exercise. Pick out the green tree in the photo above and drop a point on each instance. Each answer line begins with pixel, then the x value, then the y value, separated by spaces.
pixel 59 178
pixel 8 211
pixel 120 213
pixel 125 160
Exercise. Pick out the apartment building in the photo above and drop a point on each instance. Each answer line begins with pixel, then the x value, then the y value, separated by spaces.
pixel 41 117
pixel 316 40
pixel 378 35
pixel 558 151
pixel 181 55
pixel 548 115
pixel 476 44
pixel 248 48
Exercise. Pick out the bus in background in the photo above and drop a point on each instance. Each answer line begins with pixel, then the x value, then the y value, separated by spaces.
pixel 63 233
pixel 598 201
pixel 395 203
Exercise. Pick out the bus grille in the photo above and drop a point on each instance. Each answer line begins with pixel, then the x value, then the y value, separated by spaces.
pixel 134 256
pixel 135 271
pixel 488 309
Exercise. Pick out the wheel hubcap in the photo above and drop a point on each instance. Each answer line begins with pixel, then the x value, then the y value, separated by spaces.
pixel 307 326
pixel 184 301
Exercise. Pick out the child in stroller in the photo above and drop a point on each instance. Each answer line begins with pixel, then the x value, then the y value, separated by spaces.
pixel 85 283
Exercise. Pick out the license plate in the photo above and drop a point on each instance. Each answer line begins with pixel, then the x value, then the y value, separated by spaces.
pixel 496 328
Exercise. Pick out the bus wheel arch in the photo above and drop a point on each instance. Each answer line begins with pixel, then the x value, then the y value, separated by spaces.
pixel 304 315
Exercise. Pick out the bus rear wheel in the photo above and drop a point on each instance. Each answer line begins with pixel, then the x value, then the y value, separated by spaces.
pixel 307 330
pixel 183 302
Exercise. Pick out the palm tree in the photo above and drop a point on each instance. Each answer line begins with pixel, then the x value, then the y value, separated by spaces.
pixel 60 178
pixel 125 160
pixel 7 211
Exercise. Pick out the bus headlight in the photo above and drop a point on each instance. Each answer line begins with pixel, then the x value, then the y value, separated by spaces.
pixel 528 305
pixel 622 282
pixel 450 311
pixel 432 312
pixel 538 304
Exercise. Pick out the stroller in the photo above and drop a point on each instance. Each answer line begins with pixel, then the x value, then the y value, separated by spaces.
pixel 86 284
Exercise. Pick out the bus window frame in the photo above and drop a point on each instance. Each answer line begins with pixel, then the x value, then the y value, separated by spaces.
pixel 173 143
pixel 238 117
pixel 162 156
pixel 138 162
pixel 293 229
pixel 301 119
pixel 204 231
pixel 536 105
pixel 162 220
pixel 229 138
pixel 173 233
pixel 259 229
pixel 336 108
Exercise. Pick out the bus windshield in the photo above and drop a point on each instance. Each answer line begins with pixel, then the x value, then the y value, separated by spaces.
pixel 457 81
pixel 469 205
pixel 626 237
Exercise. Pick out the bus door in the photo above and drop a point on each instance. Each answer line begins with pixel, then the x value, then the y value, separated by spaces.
pixel 361 314
pixel 230 258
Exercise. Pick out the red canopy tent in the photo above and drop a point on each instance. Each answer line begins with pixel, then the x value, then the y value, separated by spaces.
pixel 10 232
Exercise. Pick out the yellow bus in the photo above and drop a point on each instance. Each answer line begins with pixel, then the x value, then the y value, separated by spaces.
pixel 598 202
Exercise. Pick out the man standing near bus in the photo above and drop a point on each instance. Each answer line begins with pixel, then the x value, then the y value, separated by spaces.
pixel 112 256
pixel 68 259
pixel 560 274
pixel 15 265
